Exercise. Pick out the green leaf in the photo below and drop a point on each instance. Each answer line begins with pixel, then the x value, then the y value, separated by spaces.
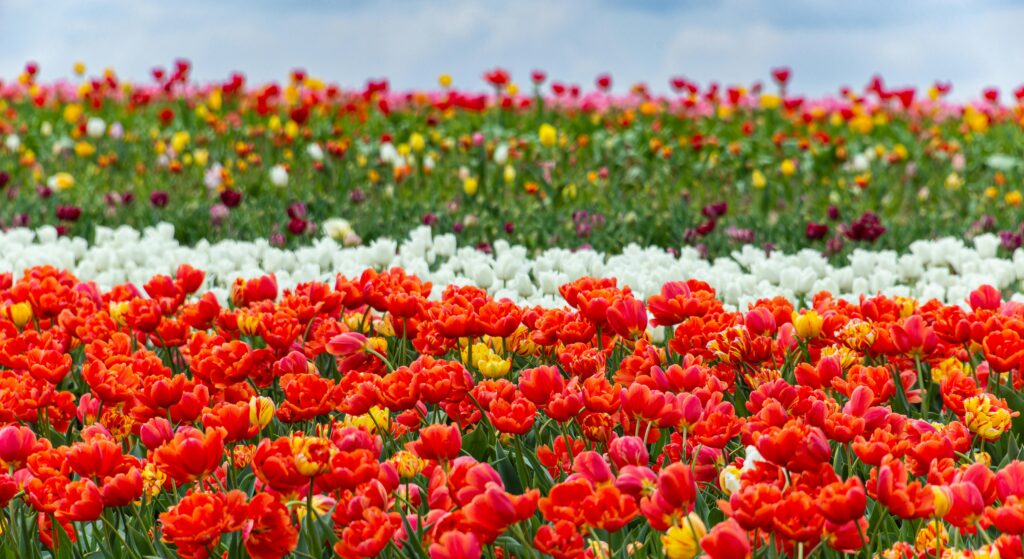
pixel 507 470
pixel 64 549
pixel 1016 402
pixel 475 443
pixel 140 540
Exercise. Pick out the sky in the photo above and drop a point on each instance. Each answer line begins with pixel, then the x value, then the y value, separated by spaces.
pixel 827 43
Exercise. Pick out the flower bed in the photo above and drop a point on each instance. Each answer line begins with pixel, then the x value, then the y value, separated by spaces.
pixel 944 269
pixel 559 166
pixel 362 419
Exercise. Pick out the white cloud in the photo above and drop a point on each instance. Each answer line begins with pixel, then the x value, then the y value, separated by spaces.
pixel 828 44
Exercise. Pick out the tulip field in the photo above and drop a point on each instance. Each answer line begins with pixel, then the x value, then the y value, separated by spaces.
pixel 508 320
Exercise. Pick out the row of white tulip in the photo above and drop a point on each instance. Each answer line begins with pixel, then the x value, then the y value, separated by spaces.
pixel 946 269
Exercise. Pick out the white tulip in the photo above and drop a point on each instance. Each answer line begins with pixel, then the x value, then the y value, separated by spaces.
pixel 944 269
pixel 501 154
pixel 279 176
pixel 336 228
pixel 95 127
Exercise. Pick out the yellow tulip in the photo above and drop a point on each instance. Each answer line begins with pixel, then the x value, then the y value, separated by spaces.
pixel 62 181
pixel 201 157
pixel 216 99
pixel 683 541
pixel 509 174
pixel 20 313
pixel 757 179
pixel 84 149
pixel 808 325
pixel 72 113
pixel 261 411
pixel 548 135
pixel 769 101
pixel 417 142
pixel 986 416
pixel 291 129
pixel 179 141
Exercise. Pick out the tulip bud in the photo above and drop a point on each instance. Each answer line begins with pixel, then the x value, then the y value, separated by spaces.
pixel 408 464
pixel 248 324
pixel 16 444
pixel 346 343
pixel 20 313
pixel 261 411
pixel 156 432
pixel 628 451
pixel 493 366
pixel 729 479
pixel 943 500
pixel 88 409
pixel 808 325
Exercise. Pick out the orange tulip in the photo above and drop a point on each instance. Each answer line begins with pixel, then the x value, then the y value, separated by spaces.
pixel 196 523
pixel 272 535
pixel 191 454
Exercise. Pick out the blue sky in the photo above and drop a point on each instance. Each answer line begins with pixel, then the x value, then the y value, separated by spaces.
pixel 828 43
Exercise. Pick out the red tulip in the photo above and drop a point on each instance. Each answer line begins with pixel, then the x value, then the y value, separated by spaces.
pixel 438 442
pixel 727 540
pixel 781 75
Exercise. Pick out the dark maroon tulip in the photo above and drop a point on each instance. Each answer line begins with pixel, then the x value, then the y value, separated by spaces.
pixel 816 231
pixel 713 211
pixel 231 198
pixel 159 199
pixel 706 228
pixel 297 226
pixel 867 227
pixel 68 213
